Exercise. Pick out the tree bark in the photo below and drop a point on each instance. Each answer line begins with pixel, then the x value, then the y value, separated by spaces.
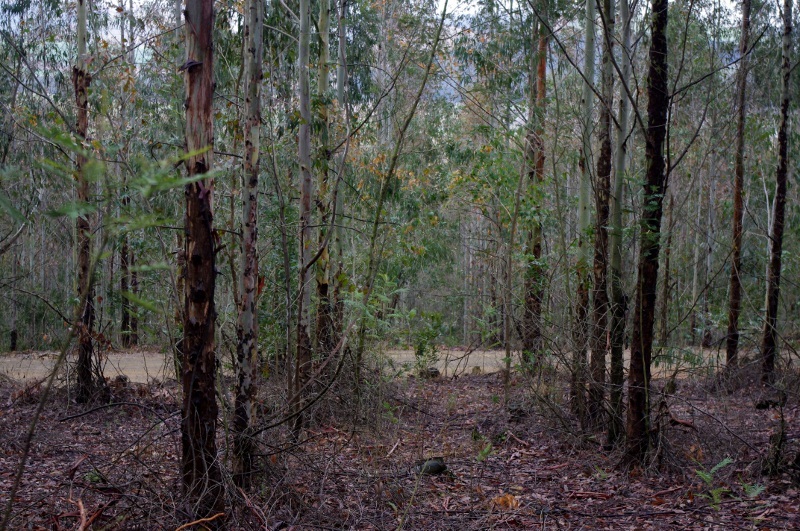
pixel 619 302
pixel 304 354
pixel 665 285
pixel 247 324
pixel 602 190
pixel 202 480
pixel 581 331
pixel 638 421
pixel 324 329
pixel 534 275
pixel 81 79
pixel 341 78
pixel 735 301
pixel 769 338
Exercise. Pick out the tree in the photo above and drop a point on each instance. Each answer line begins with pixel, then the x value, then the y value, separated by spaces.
pixel 618 298
pixel 303 356
pixel 580 332
pixel 769 337
pixel 534 162
pixel 202 480
pixel 247 324
pixel 735 301
pixel 638 421
pixel 602 189
pixel 325 312
pixel 81 79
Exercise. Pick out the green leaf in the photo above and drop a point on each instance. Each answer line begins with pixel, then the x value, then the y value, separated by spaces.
pixel 147 305
pixel 73 210
pixel 722 464
pixel 705 476
pixel 15 214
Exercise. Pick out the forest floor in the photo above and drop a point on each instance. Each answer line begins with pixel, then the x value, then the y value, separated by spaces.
pixel 520 463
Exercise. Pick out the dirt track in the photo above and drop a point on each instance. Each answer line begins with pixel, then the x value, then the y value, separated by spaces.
pixel 142 366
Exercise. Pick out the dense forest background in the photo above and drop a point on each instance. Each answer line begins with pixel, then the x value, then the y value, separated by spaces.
pixel 595 189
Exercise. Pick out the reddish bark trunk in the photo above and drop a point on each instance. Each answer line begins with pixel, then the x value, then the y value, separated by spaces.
pixel 202 479
pixel 735 302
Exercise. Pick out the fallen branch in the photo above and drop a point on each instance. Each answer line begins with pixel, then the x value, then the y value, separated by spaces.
pixel 200 521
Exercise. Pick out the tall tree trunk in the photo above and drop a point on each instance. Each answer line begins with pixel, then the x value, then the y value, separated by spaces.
pixel 665 285
pixel 124 285
pixel 534 275
pixel 202 480
pixel 124 251
pixel 337 303
pixel 638 421
pixel 581 330
pixel 735 303
pixel 134 322
pixel 81 79
pixel 247 324
pixel 602 190
pixel 303 357
pixel 769 338
pixel 324 329
pixel 619 302
pixel 696 264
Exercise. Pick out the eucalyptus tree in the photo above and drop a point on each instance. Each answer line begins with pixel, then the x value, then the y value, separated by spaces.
pixel 534 164
pixel 618 298
pixel 247 325
pixel 638 416
pixel 581 328
pixel 735 289
pixel 602 188
pixel 202 479
pixel 769 338
pixel 302 363
pixel 85 316
pixel 326 203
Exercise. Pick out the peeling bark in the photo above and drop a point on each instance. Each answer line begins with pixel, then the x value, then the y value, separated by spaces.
pixel 247 323
pixel 202 480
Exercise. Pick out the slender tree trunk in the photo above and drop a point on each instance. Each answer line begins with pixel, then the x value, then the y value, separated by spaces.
pixel 13 332
pixel 124 251
pixel 581 330
pixel 134 321
pixel 202 480
pixel 247 324
pixel 534 275
pixel 769 338
pixel 324 329
pixel 696 264
pixel 619 302
pixel 638 422
pixel 303 357
pixel 81 79
pixel 665 285
pixel 602 190
pixel 124 286
pixel 735 302
pixel 337 303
